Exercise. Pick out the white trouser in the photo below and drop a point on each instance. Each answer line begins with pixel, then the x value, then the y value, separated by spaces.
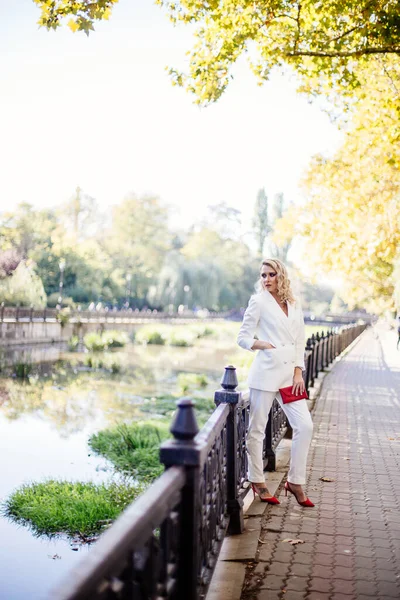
pixel 300 420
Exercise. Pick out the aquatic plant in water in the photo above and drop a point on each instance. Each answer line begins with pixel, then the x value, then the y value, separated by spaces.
pixel 190 381
pixel 75 508
pixel 133 448
pixel 97 342
pixel 22 370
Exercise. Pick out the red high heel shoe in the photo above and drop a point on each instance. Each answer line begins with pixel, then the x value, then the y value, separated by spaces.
pixel 270 500
pixel 306 502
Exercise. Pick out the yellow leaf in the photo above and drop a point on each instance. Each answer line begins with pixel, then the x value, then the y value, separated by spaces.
pixel 73 25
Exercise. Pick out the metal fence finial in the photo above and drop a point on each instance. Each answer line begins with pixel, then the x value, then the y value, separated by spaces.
pixel 229 380
pixel 184 425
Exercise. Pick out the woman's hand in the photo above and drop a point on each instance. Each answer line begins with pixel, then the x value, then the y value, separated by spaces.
pixel 268 346
pixel 261 345
pixel 298 382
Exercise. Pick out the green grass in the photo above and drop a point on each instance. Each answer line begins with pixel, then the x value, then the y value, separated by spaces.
pixel 133 448
pixel 74 508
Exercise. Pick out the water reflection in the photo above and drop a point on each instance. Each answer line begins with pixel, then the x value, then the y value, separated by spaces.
pixel 45 425
pixel 70 396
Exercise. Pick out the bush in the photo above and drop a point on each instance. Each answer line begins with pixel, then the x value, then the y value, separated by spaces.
pixel 73 508
pixel 23 287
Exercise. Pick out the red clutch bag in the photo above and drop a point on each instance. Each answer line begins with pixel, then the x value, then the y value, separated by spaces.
pixel 287 395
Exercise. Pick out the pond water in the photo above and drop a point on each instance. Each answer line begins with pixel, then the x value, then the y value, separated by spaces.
pixel 45 425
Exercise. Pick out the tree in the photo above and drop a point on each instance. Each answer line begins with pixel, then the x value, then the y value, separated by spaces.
pixel 325 41
pixel 225 219
pixel 23 287
pixel 231 260
pixel 281 250
pixel 138 240
pixel 351 220
pixel 80 14
pixel 80 216
pixel 261 225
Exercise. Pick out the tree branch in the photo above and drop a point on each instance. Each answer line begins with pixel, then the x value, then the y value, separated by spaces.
pixel 298 27
pixel 333 54
pixel 342 35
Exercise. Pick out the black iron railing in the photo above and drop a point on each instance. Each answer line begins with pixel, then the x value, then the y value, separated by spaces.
pixel 166 544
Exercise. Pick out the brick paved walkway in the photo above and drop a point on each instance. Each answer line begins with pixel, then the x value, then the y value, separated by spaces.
pixel 351 546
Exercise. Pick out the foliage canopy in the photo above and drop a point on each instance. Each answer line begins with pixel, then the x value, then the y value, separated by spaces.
pixel 351 220
pixel 324 40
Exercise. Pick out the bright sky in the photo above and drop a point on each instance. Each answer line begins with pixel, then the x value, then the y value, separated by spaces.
pixel 101 113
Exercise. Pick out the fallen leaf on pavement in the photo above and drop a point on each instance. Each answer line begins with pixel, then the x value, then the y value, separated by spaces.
pixel 293 542
pixel 326 479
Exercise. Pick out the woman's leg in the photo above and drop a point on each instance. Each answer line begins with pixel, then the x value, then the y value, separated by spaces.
pixel 260 405
pixel 300 420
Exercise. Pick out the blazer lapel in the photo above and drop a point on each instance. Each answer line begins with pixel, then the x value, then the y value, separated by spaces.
pixel 286 321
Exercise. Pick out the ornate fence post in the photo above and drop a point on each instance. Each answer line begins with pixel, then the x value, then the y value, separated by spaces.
pixel 330 346
pixel 326 358
pixel 234 445
pixel 182 451
pixel 269 436
pixel 322 350
pixel 309 363
pixel 335 343
pixel 316 354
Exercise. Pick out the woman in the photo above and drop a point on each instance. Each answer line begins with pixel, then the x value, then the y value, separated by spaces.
pixel 277 318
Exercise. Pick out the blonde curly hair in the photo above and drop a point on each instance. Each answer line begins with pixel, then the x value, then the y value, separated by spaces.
pixel 284 290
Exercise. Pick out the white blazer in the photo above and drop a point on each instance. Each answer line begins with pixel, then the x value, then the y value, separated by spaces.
pixel 274 368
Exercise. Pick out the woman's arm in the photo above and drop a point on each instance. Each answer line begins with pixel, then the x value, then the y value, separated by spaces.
pixel 247 330
pixel 251 317
pixel 300 344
